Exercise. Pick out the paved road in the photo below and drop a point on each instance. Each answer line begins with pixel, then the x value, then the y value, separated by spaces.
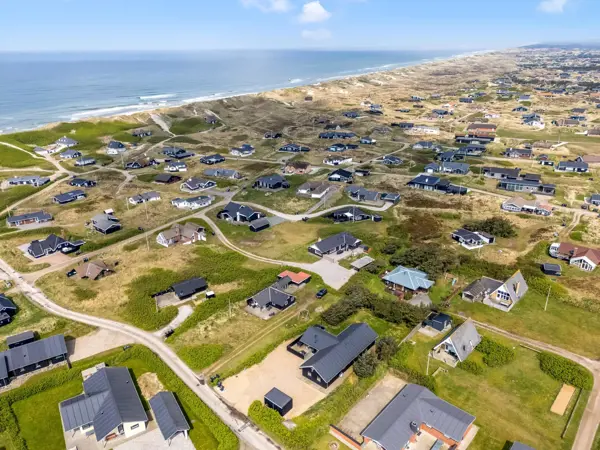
pixel 591 416
pixel 233 419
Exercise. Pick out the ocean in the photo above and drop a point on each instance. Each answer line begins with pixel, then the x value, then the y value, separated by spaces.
pixel 41 88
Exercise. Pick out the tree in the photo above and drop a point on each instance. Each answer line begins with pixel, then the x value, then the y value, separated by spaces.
pixel 365 365
pixel 376 267
pixel 496 226
pixel 430 258
pixel 386 348
pixel 390 248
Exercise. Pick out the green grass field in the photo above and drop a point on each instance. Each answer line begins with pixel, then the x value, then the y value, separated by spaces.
pixel 17 159
pixel 14 194
pixel 191 126
pixel 510 403
pixel 563 325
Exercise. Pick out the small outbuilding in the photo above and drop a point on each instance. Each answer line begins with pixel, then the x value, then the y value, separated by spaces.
pixel 259 224
pixel 552 269
pixel 188 288
pixel 280 402
pixel 169 416
pixel 439 321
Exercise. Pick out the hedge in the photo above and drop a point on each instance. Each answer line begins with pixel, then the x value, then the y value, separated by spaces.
pixel 471 367
pixel 566 371
pixel 495 354
pixel 8 422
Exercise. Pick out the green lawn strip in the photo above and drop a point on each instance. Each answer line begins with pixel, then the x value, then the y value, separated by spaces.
pixel 511 402
pixel 30 427
pixel 17 159
pixel 199 357
pixel 31 317
pixel 191 126
pixel 314 423
pixel 14 194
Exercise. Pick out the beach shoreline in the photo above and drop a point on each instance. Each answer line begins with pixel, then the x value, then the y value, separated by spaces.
pixel 142 111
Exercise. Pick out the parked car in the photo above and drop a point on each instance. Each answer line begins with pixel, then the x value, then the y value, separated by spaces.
pixel 322 293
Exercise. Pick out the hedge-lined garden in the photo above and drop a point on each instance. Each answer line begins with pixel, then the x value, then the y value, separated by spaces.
pixel 566 371
pixel 208 432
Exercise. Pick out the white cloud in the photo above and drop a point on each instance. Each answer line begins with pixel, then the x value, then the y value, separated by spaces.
pixel 268 5
pixel 314 12
pixel 321 34
pixel 552 6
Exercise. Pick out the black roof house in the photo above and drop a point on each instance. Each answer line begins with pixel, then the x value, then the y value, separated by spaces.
pixel 187 288
pixel 22 219
pixel 7 306
pixel 28 356
pixel 69 197
pixel 341 175
pixel 271 296
pixel 275 181
pixel 341 241
pixel 23 338
pixel 108 401
pixel 332 355
pixel 168 415
pixel 238 213
pixel 52 244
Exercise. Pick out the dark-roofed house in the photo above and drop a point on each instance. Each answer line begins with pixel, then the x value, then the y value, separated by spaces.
pixel 7 310
pixel 502 295
pixel 362 194
pixel 501 172
pixel 458 344
pixel 115 147
pixel 595 199
pixel 230 174
pixel 391 160
pixel 238 213
pixel 519 153
pixel 472 239
pixel 81 182
pixel 176 152
pixel 93 270
pixel 105 223
pixel 52 244
pixel 212 159
pixel 29 355
pixel 438 321
pixel 343 241
pixel 272 297
pixel 151 196
pixel 109 407
pixel 413 411
pixel 259 224
pixel 188 288
pixel 194 184
pixel 271 182
pixel 24 219
pixel 32 180
pixel 552 269
pixel 70 154
pixel 169 416
pixel 66 142
pixel 293 148
pixel 69 197
pixel 17 340
pixel 352 214
pixel 332 355
pixel 280 402
pixel 341 175
pixel 165 178
pixel 572 166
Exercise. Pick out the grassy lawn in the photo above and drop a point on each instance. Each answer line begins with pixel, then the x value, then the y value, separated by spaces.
pixel 31 317
pixel 11 157
pixel 511 403
pixel 191 126
pixel 14 194
pixel 563 325
pixel 40 428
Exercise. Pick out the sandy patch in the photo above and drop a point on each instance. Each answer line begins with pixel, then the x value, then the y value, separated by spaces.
pixel 562 399
pixel 150 385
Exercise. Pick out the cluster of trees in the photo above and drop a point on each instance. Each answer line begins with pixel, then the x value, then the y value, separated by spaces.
pixel 358 297
pixel 566 371
pixel 366 364
pixel 495 354
pixel 430 258
pixel 496 226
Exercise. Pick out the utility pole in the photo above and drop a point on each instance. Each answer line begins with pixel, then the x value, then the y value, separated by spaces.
pixel 145 232
pixel 547 297
pixel 428 357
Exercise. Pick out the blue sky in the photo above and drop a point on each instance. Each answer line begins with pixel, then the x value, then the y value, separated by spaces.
pixel 81 25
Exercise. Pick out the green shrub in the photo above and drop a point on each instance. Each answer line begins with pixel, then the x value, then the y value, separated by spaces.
pixel 399 365
pixel 470 366
pixel 495 354
pixel 199 357
pixel 386 348
pixel 365 365
pixel 576 236
pixel 566 371
pixel 496 226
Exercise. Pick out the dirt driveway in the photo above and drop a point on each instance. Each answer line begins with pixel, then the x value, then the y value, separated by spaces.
pixel 94 343
pixel 281 370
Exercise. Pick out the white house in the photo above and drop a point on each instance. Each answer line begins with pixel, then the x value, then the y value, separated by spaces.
pixel 192 203
pixel 152 196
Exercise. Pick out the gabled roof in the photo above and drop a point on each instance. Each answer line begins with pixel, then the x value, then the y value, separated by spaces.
pixel 24 336
pixel 91 269
pixel 337 240
pixel 109 400
pixel 483 286
pixel 35 352
pixel 6 303
pixel 189 287
pixel 426 180
pixel 519 446
pixel 278 398
pixel 273 296
pixel 168 414
pixel 416 405
pixel 330 361
pixel 464 338
pixel 412 279
pixel 39 215
pixel 233 209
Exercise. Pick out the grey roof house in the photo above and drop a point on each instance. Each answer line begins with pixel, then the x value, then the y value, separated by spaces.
pixel 66 141
pixel 238 213
pixel 169 416
pixel 415 410
pixel 188 288
pixel 69 197
pixel 52 244
pixel 70 154
pixel 502 295
pixel 105 223
pixel 197 184
pixel 338 242
pixel 151 196
pixel 403 278
pixel 33 180
pixel 109 406
pixel 27 218
pixel 332 355
pixel 272 297
pixel 271 182
pixel 458 344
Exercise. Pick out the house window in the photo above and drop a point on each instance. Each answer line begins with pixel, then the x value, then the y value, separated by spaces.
pixel 133 427
pixel 503 295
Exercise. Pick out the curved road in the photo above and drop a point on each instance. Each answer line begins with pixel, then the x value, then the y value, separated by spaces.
pixel 234 420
